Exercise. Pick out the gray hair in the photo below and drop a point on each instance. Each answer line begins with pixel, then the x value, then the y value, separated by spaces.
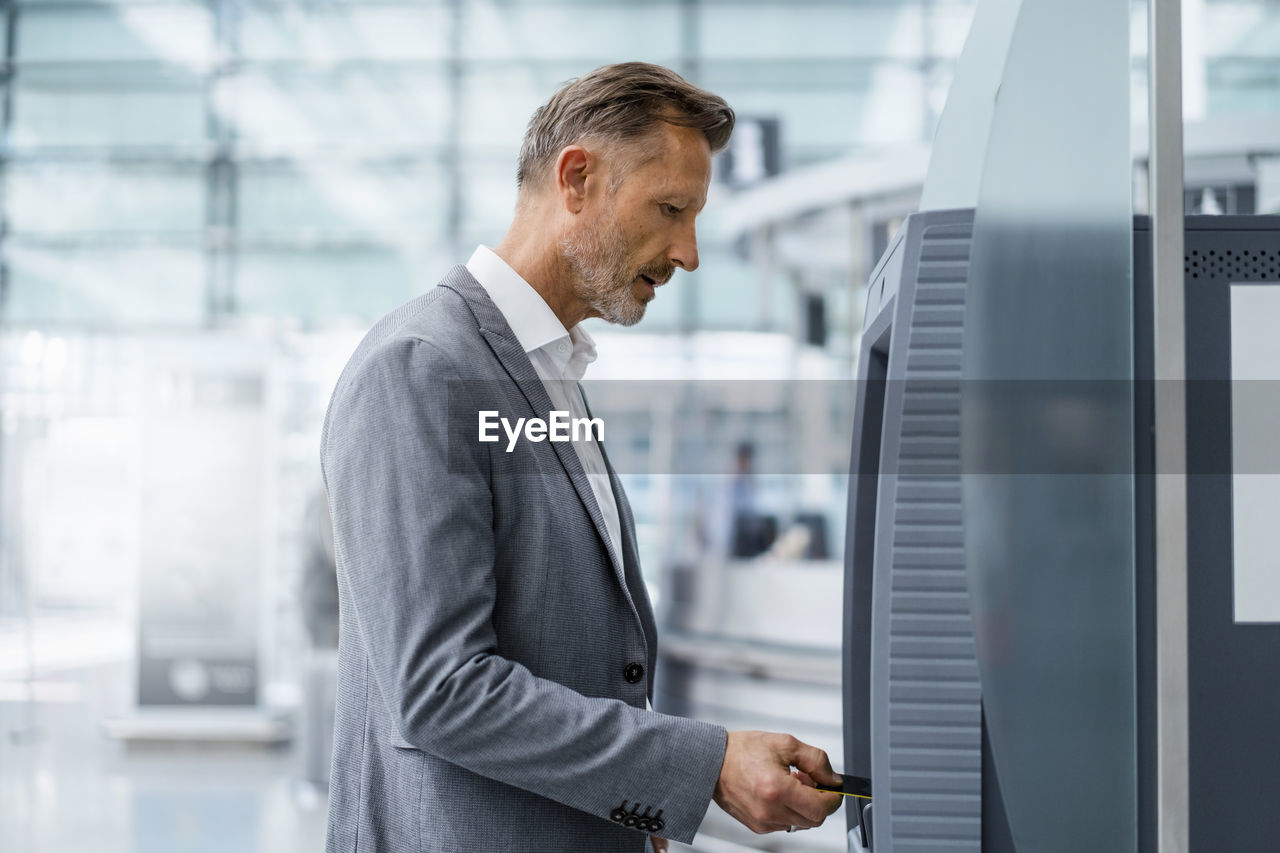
pixel 619 103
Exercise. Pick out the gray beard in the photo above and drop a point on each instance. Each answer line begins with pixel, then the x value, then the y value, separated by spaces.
pixel 598 261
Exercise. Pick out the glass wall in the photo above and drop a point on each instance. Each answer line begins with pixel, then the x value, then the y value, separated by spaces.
pixel 222 160
pixel 181 164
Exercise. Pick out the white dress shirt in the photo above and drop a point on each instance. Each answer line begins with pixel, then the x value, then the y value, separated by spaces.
pixel 560 359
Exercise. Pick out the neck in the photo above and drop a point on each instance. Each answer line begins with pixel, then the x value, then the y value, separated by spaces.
pixel 532 248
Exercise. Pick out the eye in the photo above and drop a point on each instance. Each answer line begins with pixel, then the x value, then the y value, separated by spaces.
pixel 670 209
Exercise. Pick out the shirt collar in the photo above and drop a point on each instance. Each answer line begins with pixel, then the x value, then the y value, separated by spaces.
pixel 526 312
pixel 531 319
pixel 584 352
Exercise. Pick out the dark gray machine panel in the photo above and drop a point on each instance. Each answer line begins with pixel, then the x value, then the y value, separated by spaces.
pixel 913 718
pixel 1233 669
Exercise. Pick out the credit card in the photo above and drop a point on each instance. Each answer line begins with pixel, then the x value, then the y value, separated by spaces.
pixel 852 786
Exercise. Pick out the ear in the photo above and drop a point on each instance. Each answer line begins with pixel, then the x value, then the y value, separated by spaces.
pixel 573 167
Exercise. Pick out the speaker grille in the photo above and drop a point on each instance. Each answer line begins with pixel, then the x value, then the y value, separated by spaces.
pixel 1255 264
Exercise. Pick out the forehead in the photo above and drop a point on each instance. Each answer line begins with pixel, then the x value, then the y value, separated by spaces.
pixel 682 163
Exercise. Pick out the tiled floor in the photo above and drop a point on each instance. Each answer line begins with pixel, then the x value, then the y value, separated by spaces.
pixel 65 788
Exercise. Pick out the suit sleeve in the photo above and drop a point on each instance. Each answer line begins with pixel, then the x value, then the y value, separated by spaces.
pixel 413 518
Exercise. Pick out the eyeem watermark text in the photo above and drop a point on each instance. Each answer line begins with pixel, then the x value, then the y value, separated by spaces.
pixel 560 427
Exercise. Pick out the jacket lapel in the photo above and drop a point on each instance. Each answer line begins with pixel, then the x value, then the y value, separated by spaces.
pixel 633 577
pixel 631 558
pixel 497 333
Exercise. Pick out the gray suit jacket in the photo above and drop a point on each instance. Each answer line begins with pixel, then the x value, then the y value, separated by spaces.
pixel 494 659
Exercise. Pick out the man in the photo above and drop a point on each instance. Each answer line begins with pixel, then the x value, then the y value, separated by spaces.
pixel 497 645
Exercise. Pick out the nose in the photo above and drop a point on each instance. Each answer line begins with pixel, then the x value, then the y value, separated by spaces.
pixel 684 252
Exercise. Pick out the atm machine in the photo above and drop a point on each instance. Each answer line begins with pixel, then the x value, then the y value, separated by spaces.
pixel 914 715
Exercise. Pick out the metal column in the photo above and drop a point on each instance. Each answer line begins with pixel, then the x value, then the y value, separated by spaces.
pixel 7 74
pixel 451 151
pixel 1165 76
pixel 221 173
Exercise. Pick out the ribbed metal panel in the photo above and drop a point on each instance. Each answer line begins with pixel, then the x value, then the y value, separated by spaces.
pixel 934 708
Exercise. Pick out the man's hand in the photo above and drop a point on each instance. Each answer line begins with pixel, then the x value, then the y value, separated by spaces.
pixel 659 844
pixel 758 789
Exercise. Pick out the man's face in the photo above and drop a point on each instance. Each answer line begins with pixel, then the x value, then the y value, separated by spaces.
pixel 632 238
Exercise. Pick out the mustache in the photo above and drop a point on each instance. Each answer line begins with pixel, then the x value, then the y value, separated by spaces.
pixel 660 273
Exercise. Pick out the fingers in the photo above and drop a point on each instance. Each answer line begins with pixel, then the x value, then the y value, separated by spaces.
pixel 810 762
pixel 786 816
pixel 780 819
pixel 659 844
pixel 812 805
pixel 757 825
pixel 801 821
pixel 810 759
pixel 758 788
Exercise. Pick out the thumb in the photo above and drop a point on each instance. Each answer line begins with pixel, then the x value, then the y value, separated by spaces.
pixel 805 778
pixel 813 761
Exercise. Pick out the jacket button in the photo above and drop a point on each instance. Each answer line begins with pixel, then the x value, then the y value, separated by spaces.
pixel 633 673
